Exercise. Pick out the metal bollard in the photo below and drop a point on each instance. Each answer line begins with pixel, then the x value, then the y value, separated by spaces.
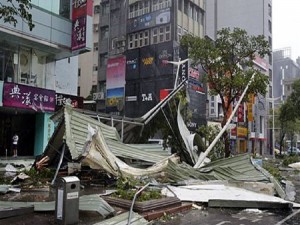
pixel 67 200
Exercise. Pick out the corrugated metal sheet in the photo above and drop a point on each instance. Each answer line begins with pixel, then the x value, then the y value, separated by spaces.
pixel 86 203
pixel 122 219
pixel 237 168
pixel 76 133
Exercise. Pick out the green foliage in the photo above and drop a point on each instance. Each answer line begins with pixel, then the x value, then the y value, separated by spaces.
pixel 126 189
pixel 272 169
pixel 209 133
pixel 9 12
pixel 229 64
pixel 39 177
pixel 287 160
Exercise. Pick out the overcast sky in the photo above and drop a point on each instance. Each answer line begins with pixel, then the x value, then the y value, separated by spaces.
pixel 286 29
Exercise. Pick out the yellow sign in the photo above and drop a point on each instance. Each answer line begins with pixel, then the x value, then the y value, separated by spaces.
pixel 250 112
pixel 242 132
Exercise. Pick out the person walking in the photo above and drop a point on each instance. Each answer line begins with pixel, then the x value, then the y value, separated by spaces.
pixel 15 140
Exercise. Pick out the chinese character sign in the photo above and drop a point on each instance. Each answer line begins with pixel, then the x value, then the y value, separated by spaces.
pixel 79 33
pixel 26 97
pixel 81 10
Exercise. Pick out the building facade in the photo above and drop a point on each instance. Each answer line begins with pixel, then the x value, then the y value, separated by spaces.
pixel 88 62
pixel 137 41
pixel 256 18
pixel 36 71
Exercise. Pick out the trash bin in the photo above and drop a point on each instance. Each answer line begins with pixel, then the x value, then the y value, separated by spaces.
pixel 67 200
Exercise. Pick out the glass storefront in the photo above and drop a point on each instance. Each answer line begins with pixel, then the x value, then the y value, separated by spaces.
pixel 23 65
pixel 59 7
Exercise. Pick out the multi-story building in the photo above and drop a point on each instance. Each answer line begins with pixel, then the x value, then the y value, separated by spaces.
pixel 88 62
pixel 33 79
pixel 137 41
pixel 286 70
pixel 256 18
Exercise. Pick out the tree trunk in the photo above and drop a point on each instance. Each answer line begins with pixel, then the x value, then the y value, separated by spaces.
pixel 227 144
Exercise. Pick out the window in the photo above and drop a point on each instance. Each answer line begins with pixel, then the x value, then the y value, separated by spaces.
pixel 95 67
pixel 139 8
pixel 79 72
pixel 96 27
pixel 138 40
pixel 104 32
pixel 96 46
pixel 270 42
pixel 270 10
pixel 270 26
pixel 191 9
pixel 96 9
pixel 105 8
pixel 180 5
pixel 78 91
pixel 161 4
pixel 161 34
pixel 94 88
pixel 186 7
pixel 103 59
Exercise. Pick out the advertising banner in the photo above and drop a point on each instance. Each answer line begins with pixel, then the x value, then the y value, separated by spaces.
pixel 194 80
pixel 149 20
pixel 164 53
pixel 147 61
pixel 27 97
pixel 132 64
pixel 82 11
pixel 115 84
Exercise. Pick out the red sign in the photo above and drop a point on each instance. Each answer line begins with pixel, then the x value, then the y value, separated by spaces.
pixel 241 113
pixel 163 93
pixel 81 9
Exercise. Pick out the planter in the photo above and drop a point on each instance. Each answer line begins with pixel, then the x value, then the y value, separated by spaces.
pixel 144 206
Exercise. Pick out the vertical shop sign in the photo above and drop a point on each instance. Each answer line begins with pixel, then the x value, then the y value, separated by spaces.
pixel 81 24
pixel 241 113
pixel 115 84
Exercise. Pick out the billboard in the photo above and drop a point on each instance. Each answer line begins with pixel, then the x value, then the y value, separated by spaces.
pixel 82 12
pixel 27 97
pixel 149 20
pixel 115 84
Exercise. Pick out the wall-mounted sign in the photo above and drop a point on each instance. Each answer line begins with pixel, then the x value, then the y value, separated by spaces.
pixel 98 96
pixel 147 97
pixel 149 20
pixel 82 11
pixel 242 132
pixel 63 99
pixel 27 97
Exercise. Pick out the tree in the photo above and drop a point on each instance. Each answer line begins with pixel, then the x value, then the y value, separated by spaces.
pixel 229 64
pixel 13 8
pixel 289 115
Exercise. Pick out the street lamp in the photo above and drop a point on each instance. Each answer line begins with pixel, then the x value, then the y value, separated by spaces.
pixel 178 64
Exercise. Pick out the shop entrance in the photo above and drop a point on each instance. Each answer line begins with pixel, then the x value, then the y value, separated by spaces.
pixel 24 126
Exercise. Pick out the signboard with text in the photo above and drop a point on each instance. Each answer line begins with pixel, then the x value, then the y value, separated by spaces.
pixel 82 11
pixel 27 97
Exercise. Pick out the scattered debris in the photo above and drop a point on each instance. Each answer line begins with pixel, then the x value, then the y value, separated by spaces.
pixel 136 219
